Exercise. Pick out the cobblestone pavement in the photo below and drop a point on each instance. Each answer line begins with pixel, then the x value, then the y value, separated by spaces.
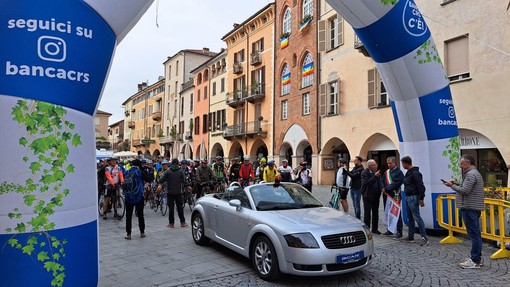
pixel 169 257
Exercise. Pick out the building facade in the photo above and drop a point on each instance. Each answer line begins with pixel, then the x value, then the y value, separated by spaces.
pixel 177 72
pixel 143 119
pixel 217 101
pixel 116 136
pixel 249 114
pixel 202 121
pixel 296 122
pixel 101 129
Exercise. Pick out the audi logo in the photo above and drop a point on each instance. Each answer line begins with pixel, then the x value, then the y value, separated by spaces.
pixel 347 239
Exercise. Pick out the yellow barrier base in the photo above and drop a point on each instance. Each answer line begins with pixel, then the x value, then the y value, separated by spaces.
pixel 450 240
pixel 502 253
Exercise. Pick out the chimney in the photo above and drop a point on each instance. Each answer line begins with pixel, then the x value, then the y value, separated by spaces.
pixel 236 25
pixel 142 86
pixel 205 50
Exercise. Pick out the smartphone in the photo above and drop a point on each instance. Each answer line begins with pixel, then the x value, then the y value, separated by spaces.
pixel 444 181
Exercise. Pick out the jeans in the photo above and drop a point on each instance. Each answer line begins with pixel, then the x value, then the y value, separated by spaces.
pixel 129 216
pixel 413 213
pixel 471 220
pixel 175 199
pixel 356 201
pixel 371 211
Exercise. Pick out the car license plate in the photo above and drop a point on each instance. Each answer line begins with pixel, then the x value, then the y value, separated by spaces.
pixel 352 257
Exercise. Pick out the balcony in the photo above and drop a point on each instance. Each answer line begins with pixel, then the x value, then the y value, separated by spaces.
pixel 131 124
pixel 156 116
pixel 102 144
pixel 249 129
pixel 238 68
pixel 257 92
pixel 166 140
pixel 137 143
pixel 236 98
pixel 188 136
pixel 358 45
pixel 255 58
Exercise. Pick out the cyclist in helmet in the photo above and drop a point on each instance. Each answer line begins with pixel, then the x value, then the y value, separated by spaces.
pixel 233 171
pixel 204 176
pixel 270 172
pixel 246 172
pixel 259 173
pixel 219 171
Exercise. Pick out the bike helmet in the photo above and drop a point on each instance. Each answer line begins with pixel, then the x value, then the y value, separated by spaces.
pixel 204 161
pixel 165 162
pixel 196 160
pixel 270 163
pixel 184 161
pixel 247 157
pixel 219 157
pixel 263 160
pixel 236 158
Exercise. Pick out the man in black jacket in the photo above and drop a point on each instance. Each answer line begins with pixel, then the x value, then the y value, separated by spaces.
pixel 415 193
pixel 175 179
pixel 371 187
pixel 355 175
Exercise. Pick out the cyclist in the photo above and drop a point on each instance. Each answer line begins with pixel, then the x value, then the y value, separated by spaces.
pixel 270 172
pixel 204 176
pixel 246 172
pixel 285 171
pixel 101 177
pixel 115 178
pixel 187 173
pixel 233 171
pixel 219 171
pixel 174 178
pixel 136 200
pixel 259 173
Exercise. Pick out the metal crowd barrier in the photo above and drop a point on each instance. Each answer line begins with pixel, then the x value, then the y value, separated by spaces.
pixel 491 228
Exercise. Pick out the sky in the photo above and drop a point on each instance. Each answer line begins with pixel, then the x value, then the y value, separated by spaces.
pixel 188 24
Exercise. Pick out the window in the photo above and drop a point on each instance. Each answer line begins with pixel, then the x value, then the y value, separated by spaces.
pixel 199 79
pixel 333 38
pixel 239 56
pixel 457 58
pixel 197 125
pixel 169 71
pixel 258 46
pixel 306 104
pixel 214 89
pixel 177 68
pixel 198 95
pixel 222 85
pixel 287 21
pixel 307 71
pixel 331 33
pixel 286 80
pixel 257 81
pixel 205 93
pixel 97 121
pixel 191 103
pixel 377 94
pixel 182 106
pixel 204 124
pixel 333 98
pixel 307 7
pixel 284 110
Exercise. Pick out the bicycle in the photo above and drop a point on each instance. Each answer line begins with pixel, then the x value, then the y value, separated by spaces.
pixel 117 197
pixel 245 182
pixel 335 197
pixel 160 202
pixel 187 198
pixel 221 186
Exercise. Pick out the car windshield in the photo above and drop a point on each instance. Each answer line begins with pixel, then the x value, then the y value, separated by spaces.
pixel 276 197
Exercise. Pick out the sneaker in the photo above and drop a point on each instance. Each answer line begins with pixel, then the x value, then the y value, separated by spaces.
pixel 387 233
pixel 184 224
pixel 464 261
pixel 128 237
pixel 481 262
pixel 397 236
pixel 142 235
pixel 424 241
pixel 407 240
pixel 469 264
pixel 170 226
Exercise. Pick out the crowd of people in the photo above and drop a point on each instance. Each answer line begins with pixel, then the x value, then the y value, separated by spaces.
pixel 370 184
pixel 364 184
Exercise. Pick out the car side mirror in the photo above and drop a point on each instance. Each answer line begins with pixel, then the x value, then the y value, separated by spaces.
pixel 236 203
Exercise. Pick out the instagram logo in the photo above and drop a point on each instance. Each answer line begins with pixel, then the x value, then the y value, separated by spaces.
pixel 51 49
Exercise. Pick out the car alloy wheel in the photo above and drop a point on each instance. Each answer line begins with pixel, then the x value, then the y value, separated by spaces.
pixel 197 229
pixel 265 260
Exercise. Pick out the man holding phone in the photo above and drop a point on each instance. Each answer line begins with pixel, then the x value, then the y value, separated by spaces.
pixel 470 201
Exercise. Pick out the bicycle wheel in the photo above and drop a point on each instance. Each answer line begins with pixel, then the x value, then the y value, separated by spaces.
pixel 157 200
pixel 191 201
pixel 164 205
pixel 100 203
pixel 121 208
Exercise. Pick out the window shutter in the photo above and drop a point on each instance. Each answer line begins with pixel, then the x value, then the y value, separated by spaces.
pixel 372 88
pixel 322 99
pixel 261 44
pixel 322 36
pixel 340 29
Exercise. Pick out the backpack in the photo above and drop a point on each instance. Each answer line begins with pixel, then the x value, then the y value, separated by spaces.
pixel 129 186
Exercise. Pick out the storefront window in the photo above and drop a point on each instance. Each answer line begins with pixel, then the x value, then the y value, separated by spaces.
pixel 491 165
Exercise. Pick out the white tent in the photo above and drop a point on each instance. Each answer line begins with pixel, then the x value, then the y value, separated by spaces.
pixel 102 153
pixel 125 154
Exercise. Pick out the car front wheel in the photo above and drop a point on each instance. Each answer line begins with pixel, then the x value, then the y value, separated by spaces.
pixel 265 260
pixel 197 229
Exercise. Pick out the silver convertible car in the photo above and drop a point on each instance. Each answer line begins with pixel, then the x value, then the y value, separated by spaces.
pixel 283 228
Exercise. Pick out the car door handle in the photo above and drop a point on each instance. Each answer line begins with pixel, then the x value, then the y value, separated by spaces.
pixel 215 207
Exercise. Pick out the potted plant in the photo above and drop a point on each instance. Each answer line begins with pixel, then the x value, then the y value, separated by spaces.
pixel 173 133
pixel 305 21
pixel 284 35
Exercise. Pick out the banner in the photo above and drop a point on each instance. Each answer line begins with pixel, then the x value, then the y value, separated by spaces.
pixel 54 58
pixel 391 214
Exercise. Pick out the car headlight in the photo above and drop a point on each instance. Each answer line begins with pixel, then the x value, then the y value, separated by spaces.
pixel 301 240
pixel 368 232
